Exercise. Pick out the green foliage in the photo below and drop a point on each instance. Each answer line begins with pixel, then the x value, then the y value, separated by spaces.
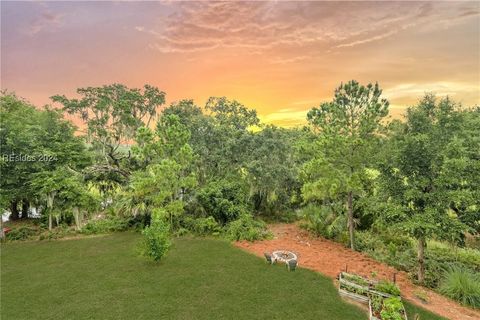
pixel 231 114
pixel 229 155
pixel 461 285
pixel 57 233
pixel 161 183
pixel 347 133
pixel 376 302
pixel 272 171
pixel 448 253
pixel 399 251
pixel 225 200
pixel 206 172
pixel 106 225
pixel 387 287
pixel 202 226
pixel 47 141
pixel 21 233
pixel 425 175
pixel 112 115
pixel 392 309
pixel 355 279
pixel 156 241
pixel 246 228
pixel 324 221
pixel 396 250
pixel 356 290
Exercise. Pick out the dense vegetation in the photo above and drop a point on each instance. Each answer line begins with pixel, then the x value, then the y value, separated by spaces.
pixel 103 278
pixel 405 191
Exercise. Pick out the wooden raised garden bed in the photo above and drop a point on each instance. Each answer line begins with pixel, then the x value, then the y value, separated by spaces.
pixel 365 291
pixel 354 287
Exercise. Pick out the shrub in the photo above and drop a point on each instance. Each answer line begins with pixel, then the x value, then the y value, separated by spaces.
pixel 180 232
pixel 387 287
pixel 461 285
pixel 57 233
pixel 156 240
pixel 398 252
pixel 202 226
pixel 109 224
pixel 21 233
pixel 224 200
pixel 324 222
pixel 440 257
pixel 443 252
pixel 246 228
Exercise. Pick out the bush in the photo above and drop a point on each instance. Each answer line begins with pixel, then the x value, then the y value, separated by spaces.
pixel 21 233
pixel 440 257
pixel 202 226
pixel 443 252
pixel 57 233
pixel 224 200
pixel 156 240
pixel 322 221
pixel 246 228
pixel 109 224
pixel 461 285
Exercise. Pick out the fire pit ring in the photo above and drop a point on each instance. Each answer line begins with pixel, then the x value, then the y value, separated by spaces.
pixel 284 256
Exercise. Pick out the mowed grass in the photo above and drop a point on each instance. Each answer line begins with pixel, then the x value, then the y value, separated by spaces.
pixel 104 278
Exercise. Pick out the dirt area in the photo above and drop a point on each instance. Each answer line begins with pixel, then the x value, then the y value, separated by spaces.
pixel 329 258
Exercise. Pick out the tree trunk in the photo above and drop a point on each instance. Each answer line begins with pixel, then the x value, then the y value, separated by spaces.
pixel 15 214
pixel 421 260
pixel 351 225
pixel 50 222
pixel 2 233
pixel 76 215
pixel 50 198
pixel 25 208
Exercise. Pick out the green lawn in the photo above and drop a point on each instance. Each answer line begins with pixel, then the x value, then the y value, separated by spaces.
pixel 103 278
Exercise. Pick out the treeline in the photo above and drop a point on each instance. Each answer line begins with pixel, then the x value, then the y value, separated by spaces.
pixel 216 169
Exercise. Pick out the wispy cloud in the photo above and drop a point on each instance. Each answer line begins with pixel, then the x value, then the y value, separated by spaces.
pixel 267 54
pixel 45 20
pixel 407 90
pixel 313 27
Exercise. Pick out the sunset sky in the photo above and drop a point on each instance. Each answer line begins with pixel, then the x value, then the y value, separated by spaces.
pixel 281 58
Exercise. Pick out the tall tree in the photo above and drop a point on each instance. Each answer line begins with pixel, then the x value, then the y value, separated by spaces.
pixel 346 130
pixel 19 136
pixel 34 143
pixel 111 115
pixel 204 140
pixel 426 173
pixel 272 170
pixel 230 136
pixel 162 184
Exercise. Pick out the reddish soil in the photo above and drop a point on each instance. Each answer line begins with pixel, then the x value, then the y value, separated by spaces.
pixel 329 258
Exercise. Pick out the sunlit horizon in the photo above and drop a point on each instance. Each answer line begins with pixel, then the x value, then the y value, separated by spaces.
pixel 280 58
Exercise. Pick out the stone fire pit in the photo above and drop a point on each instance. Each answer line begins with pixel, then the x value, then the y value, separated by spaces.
pixel 283 256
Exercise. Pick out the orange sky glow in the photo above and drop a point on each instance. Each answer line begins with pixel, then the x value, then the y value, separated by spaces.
pixel 281 58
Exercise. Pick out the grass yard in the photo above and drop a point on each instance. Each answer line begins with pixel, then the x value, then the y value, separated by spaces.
pixel 104 278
